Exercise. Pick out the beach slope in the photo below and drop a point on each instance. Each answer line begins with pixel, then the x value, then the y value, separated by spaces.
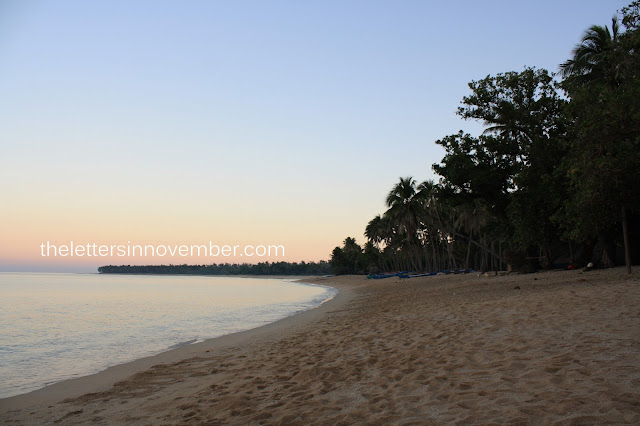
pixel 552 347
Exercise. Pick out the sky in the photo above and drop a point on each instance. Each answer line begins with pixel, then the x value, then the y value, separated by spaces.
pixel 245 122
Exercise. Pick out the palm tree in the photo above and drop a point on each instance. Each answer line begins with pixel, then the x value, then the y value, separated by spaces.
pixel 352 252
pixel 471 218
pixel 380 232
pixel 589 56
pixel 402 194
pixel 405 206
pixel 377 231
pixel 430 216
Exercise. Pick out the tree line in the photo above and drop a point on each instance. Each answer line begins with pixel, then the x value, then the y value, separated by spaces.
pixel 264 268
pixel 554 177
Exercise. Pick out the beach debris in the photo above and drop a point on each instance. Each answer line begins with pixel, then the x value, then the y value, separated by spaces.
pixel 517 287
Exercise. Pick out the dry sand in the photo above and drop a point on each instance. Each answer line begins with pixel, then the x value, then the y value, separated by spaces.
pixel 563 348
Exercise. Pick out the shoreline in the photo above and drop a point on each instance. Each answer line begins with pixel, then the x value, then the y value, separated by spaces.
pixel 550 347
pixel 105 379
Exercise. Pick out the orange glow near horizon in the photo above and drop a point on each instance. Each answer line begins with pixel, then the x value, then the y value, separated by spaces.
pixel 60 209
pixel 25 228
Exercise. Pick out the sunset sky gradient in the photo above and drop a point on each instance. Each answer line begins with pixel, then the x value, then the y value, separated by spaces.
pixel 240 122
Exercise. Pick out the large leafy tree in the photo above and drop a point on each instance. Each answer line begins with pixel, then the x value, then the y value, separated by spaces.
pixel 631 16
pixel 511 167
pixel 521 108
pixel 475 168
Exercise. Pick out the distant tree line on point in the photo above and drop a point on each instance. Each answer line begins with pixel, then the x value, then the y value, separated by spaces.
pixel 264 268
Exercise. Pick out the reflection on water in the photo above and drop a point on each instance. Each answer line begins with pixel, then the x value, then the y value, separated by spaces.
pixel 57 326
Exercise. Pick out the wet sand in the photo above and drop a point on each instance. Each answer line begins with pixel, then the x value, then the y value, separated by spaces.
pixel 552 347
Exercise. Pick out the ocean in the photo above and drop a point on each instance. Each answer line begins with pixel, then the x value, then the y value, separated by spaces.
pixel 55 327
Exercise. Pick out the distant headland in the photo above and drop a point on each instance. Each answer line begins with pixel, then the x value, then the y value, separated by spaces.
pixel 263 268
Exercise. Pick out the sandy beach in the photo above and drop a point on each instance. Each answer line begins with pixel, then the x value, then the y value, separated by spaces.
pixel 551 347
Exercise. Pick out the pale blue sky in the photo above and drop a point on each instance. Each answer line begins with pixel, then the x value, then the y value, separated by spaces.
pixel 259 109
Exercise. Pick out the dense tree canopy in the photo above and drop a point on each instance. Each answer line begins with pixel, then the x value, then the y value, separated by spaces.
pixel 555 171
pixel 603 161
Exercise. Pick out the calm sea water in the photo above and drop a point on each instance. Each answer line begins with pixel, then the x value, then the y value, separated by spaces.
pixel 58 326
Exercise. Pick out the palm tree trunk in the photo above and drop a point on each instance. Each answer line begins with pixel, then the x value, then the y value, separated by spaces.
pixel 454 233
pixel 416 264
pixel 435 262
pixel 625 235
pixel 493 259
pixel 450 253
pixel 425 253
